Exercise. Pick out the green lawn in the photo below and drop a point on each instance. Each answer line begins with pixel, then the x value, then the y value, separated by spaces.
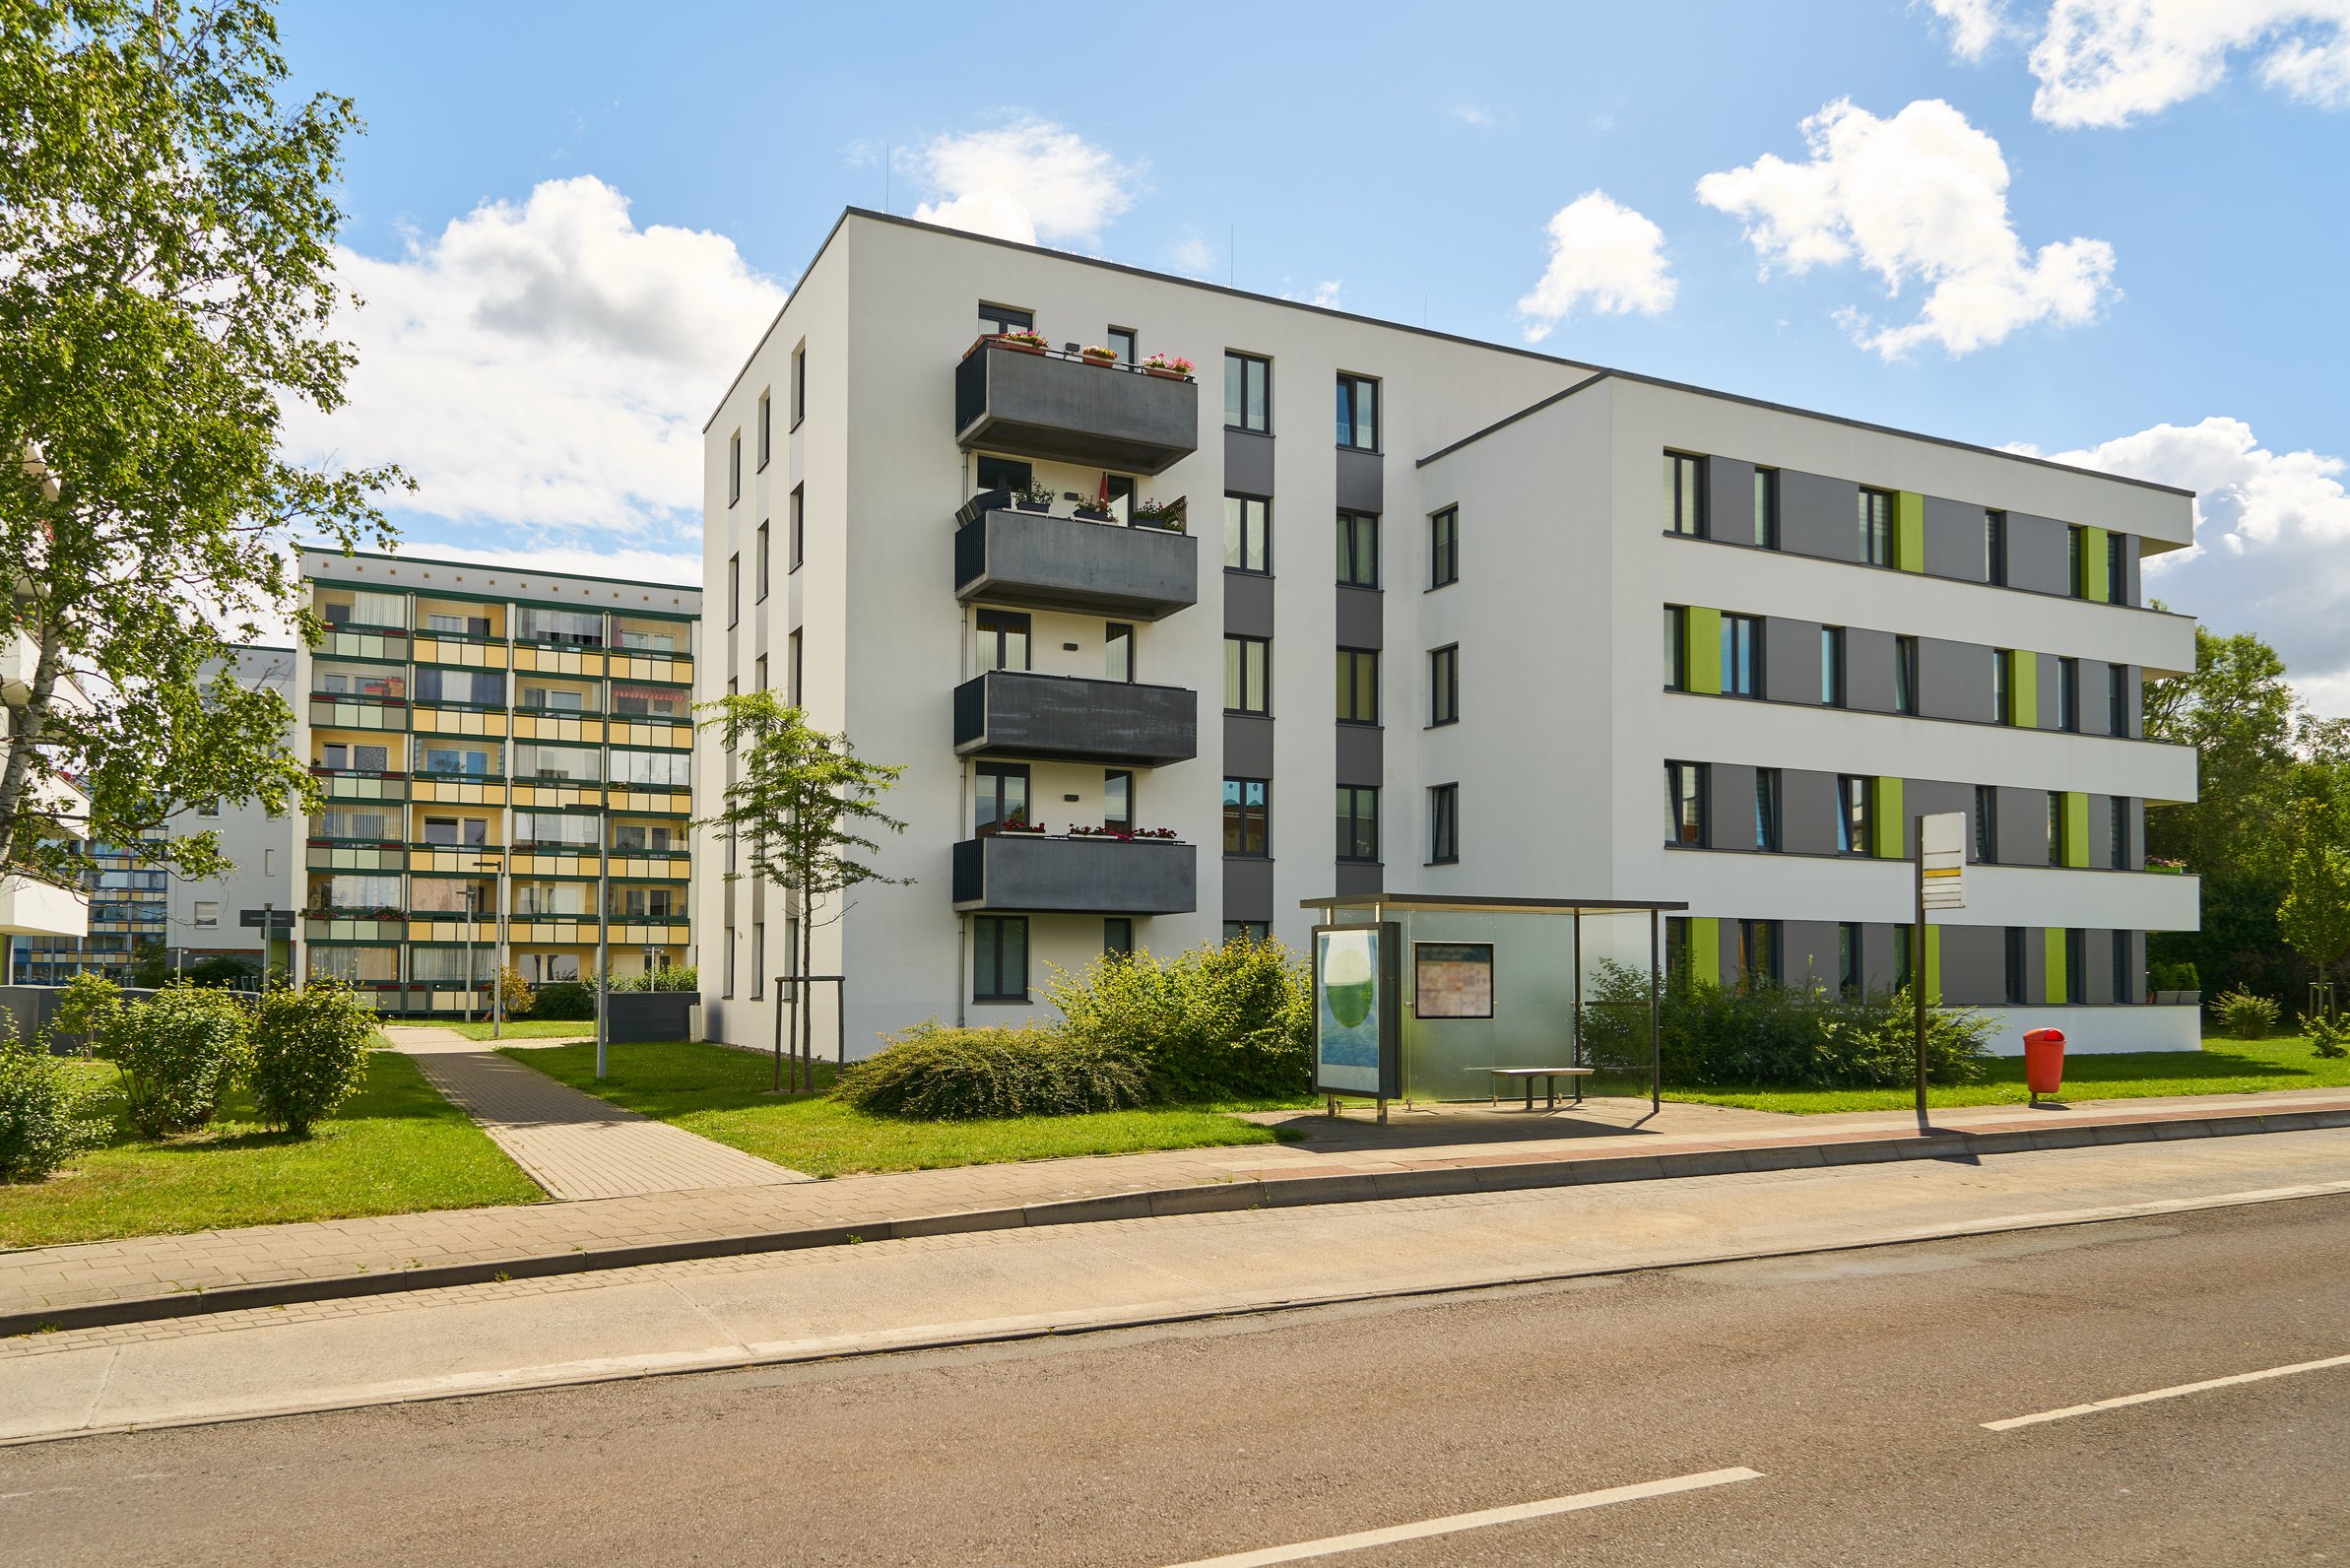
pixel 528 1029
pixel 2223 1065
pixel 394 1147
pixel 720 1093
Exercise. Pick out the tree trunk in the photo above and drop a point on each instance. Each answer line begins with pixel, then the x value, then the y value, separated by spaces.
pixel 24 745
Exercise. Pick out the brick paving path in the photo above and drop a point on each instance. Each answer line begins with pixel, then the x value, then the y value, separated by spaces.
pixel 574 1144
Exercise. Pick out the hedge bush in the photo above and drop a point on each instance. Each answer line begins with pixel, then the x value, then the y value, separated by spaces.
pixel 563 1001
pixel 179 1050
pixel 90 1005
pixel 309 1052
pixel 1229 1022
pixel 934 1073
pixel 41 1120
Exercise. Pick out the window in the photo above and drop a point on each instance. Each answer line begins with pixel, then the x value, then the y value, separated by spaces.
pixel 799 525
pixel 580 629
pixel 1766 508
pixel 1850 979
pixel 759 958
pixel 2076 964
pixel 994 320
pixel 1247 931
pixel 484 689
pixel 2019 976
pixel 1247 393
pixel 1248 527
pixel 1444 824
pixel 1741 656
pixel 1247 675
pixel 556 829
pixel 1118 930
pixel 734 468
pixel 1758 954
pixel 1685 804
pixel 1901 954
pixel 1358 549
pixel 1684 496
pixel 1358 685
pixel 2068 695
pixel 791 670
pixel 1118 802
pixel 1247 822
pixel 999 797
pixel 999 958
pixel 1986 824
pixel 1444 686
pixel 1877 527
pixel 799 384
pixel 672 770
pixel 1005 473
pixel 1123 340
pixel 1002 639
pixel 1443 547
pixel 1851 815
pixel 1118 651
pixel 1676 663
pixel 761 563
pixel 448 757
pixel 536 759
pixel 2117 699
pixel 1358 823
pixel 1358 412
pixel 2055 828
pixel 1766 810
pixel 2119 953
pixel 2116 569
pixel 766 428
pixel 758 674
pixel 1994 549
pixel 734 589
pixel 2003 689
pixel 208 915
pixel 1831 666
pixel 2118 835
pixel 1905 674
pixel 2076 561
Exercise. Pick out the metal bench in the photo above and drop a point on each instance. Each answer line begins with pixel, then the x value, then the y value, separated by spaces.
pixel 1550 1075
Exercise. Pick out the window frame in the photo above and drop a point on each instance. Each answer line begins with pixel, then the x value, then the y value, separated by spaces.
pixel 1352 819
pixel 1001 924
pixel 1766 508
pixel 992 791
pixel 1686 494
pixel 1769 805
pixel 1444 824
pixel 1351 663
pixel 1241 361
pixel 1236 678
pixel 1237 532
pixel 1855 814
pixel 1444 686
pixel 1350 394
pixel 1003 631
pixel 1241 811
pixel 1741 655
pixel 1114 634
pixel 1994 549
pixel 1834 692
pixel 799 526
pixel 1127 341
pixel 1877 531
pixel 1353 529
pixel 1983 845
pixel 760 570
pixel 2068 695
pixel 1688 805
pixel 1443 547
pixel 1906 699
pixel 994 320
pixel 799 383
pixel 1676 647
pixel 766 425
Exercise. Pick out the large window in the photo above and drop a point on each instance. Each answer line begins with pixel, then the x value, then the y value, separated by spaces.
pixel 995 320
pixel 1741 656
pixel 1248 683
pixel 1765 808
pixel 1443 547
pixel 1444 684
pixel 1831 666
pixel 370 826
pixel 1851 815
pixel 1248 826
pixel 1000 639
pixel 1358 549
pixel 1248 533
pixel 999 797
pixel 1122 338
pixel 558 829
pixel 999 958
pixel 1247 393
pixel 1444 824
pixel 478 758
pixel 1118 930
pixel 356 965
pixel 671 769
pixel 450 895
pixel 554 897
pixel 1358 685
pixel 1877 527
pixel 583 763
pixel 1685 495
pixel 1685 804
pixel 358 681
pixel 457 830
pixel 448 965
pixel 356 892
pixel 583 629
pixel 1358 412
pixel 1358 823
pixel 652 702
pixel 482 688
pixel 1766 508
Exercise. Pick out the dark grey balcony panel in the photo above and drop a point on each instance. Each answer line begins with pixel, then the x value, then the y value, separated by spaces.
pixel 1248 605
pixel 1248 463
pixel 1248 889
pixel 1361 482
pixel 1016 557
pixel 1362 613
pixel 1354 879
pixel 1031 873
pixel 1015 713
pixel 1036 405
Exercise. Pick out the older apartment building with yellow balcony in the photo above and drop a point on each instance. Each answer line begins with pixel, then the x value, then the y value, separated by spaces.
pixel 506 758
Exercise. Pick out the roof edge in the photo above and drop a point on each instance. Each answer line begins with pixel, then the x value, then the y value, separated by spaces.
pixel 496 565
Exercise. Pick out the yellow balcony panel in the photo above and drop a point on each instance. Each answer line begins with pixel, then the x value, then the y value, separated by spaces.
pixel 543 793
pixel 652 732
pixel 532 726
pixel 447 790
pixel 433 719
pixel 356 713
pixel 669 669
pixel 551 863
pixel 433 648
pixel 545 660
pixel 651 803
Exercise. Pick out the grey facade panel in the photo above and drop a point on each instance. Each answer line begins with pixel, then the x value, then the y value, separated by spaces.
pixel 2101 830
pixel 2096 710
pixel 1248 463
pixel 2137 965
pixel 1954 680
pixel 2129 568
pixel 1868 671
pixel 2035 966
pixel 1248 746
pixel 1361 755
pixel 1361 617
pixel 1925 797
pixel 2045 672
pixel 1819 516
pixel 1354 879
pixel 1974 964
pixel 2135 689
pixel 1954 539
pixel 2097 984
pixel 1790 660
pixel 2023 827
pixel 2038 554
pixel 1878 970
pixel 1730 802
pixel 1806 811
pixel 1729 501
pixel 2135 825
pixel 1248 889
pixel 1248 605
pixel 1361 482
pixel 1807 952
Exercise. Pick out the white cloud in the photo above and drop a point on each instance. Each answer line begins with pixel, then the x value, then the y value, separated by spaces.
pixel 2108 62
pixel 1603 254
pixel 1324 294
pixel 546 365
pixel 1194 256
pixel 1475 114
pixel 1920 197
pixel 2272 541
pixel 1030 180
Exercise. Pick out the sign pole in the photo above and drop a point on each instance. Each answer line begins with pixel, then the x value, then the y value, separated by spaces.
pixel 1941 868
pixel 1917 971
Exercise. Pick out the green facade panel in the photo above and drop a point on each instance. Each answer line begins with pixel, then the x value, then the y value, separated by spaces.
pixel 1701 659
pixel 1909 531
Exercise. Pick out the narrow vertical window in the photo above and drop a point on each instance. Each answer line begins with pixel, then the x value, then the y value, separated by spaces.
pixel 1118 933
pixel 1247 670
pixel 1766 508
pixel 999 958
pixel 2002 698
pixel 791 670
pixel 1117 800
pixel 1444 684
pixel 1676 951
pixel 1986 824
pixel 1118 651
pixel 1684 496
pixel 1358 549
pixel 799 385
pixel 1676 648
pixel 2017 976
pixel 1766 810
pixel 1831 667
pixel 1905 674
pixel 1358 412
pixel 1877 527
pixel 999 797
pixel 2068 695
pixel 2116 569
pixel 2117 699
pixel 734 589
pixel 1685 804
pixel 1358 823
pixel 1122 338
pixel 759 959
pixel 2055 828
pixel 1444 824
pixel 2118 834
pixel 1849 975
pixel 1994 549
pixel 1358 685
pixel 734 468
pixel 1247 832
pixel 1247 393
pixel 1248 530
pixel 799 525
pixel 1741 656
pixel 763 563
pixel 1851 815
pixel 2076 561
pixel 1002 639
pixel 1443 547
pixel 766 428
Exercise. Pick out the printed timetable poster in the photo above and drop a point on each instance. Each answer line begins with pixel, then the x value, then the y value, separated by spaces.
pixel 1358 1033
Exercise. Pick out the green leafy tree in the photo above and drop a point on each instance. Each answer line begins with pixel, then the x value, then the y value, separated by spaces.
pixel 167 229
pixel 2238 714
pixel 2315 916
pixel 804 808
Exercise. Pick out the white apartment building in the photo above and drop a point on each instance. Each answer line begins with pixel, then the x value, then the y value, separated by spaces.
pixel 204 919
pixel 1441 617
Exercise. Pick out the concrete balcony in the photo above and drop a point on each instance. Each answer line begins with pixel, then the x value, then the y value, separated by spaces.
pixel 29 908
pixel 1031 873
pixel 1013 557
pixel 1016 713
pixel 1059 408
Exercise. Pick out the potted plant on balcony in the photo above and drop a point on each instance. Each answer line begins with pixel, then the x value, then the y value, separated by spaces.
pixel 1095 354
pixel 1017 823
pixel 1161 515
pixel 1171 367
pixel 1023 340
pixel 1032 498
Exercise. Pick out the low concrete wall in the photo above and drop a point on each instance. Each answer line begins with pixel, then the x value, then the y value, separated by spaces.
pixel 31 1007
pixel 2091 1031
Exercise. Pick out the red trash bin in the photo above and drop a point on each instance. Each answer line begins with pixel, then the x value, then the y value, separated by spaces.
pixel 2044 1062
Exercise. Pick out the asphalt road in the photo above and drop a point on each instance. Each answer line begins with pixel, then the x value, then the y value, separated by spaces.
pixel 1855 1383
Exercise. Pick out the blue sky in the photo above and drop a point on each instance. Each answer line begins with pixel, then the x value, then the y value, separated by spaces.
pixel 2132 212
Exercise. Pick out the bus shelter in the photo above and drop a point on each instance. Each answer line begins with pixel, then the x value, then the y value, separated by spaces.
pixel 1423 997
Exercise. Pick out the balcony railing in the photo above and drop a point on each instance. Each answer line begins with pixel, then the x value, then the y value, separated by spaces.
pixel 1017 713
pixel 1058 407
pixel 1019 555
pixel 1036 874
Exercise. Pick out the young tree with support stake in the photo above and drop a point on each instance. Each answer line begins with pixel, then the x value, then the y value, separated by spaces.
pixel 168 232
pixel 803 807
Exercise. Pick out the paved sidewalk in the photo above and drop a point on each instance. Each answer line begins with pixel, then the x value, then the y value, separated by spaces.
pixel 574 1144
pixel 1417 1154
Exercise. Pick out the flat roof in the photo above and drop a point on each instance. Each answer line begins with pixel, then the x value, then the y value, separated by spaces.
pixel 1531 906
pixel 524 567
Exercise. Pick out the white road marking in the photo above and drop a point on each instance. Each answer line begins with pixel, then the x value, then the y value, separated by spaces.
pixel 2070 1411
pixel 1330 1545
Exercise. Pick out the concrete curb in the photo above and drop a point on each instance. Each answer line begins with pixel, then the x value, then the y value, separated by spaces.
pixel 1209 1198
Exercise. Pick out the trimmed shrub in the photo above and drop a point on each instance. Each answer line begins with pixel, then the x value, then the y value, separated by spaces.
pixel 309 1052
pixel 2244 1013
pixel 563 1001
pixel 1233 1020
pixel 89 1004
pixel 2174 977
pixel 41 1120
pixel 942 1075
pixel 179 1051
pixel 226 972
pixel 2327 1037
